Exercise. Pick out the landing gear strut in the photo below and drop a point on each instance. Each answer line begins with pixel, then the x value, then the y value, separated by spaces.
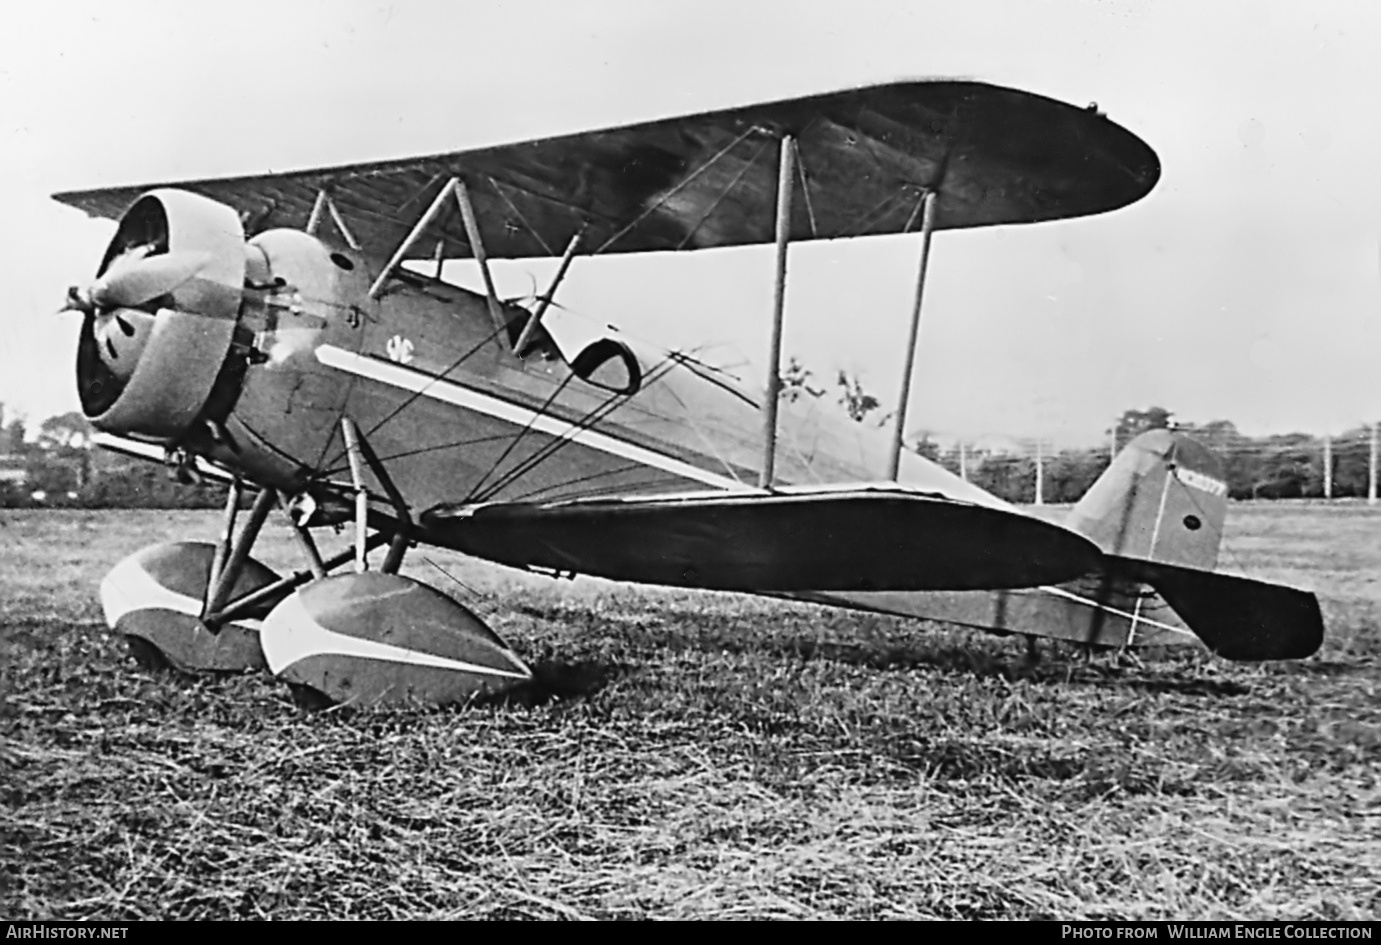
pixel 362 638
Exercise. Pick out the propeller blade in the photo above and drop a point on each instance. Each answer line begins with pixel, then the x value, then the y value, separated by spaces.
pixel 132 281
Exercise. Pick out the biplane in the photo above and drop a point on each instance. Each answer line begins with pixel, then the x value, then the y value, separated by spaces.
pixel 286 333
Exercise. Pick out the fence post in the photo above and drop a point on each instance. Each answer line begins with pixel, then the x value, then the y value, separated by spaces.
pixel 1371 468
pixel 1327 466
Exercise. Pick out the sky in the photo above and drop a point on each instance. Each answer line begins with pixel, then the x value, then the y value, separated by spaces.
pixel 1246 286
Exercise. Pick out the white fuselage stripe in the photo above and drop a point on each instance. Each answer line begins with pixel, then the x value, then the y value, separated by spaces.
pixel 405 378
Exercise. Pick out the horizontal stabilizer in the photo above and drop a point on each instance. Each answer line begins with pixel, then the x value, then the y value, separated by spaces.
pixel 863 539
pixel 1239 618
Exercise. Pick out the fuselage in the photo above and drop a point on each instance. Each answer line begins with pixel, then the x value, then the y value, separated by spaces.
pixel 455 416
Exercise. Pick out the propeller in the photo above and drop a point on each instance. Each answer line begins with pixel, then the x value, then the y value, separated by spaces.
pixel 135 277
pixel 118 300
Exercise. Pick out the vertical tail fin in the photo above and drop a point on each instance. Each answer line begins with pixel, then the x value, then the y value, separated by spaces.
pixel 1164 498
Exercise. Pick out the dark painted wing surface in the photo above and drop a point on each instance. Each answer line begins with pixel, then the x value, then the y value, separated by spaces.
pixel 860 540
pixel 995 155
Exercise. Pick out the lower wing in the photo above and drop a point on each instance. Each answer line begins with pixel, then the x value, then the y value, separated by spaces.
pixel 858 538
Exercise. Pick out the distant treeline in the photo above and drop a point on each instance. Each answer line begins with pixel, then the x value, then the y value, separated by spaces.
pixel 1285 466
pixel 60 467
pixel 77 481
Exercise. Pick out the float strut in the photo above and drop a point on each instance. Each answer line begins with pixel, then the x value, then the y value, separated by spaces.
pixel 238 608
pixel 361 454
pixel 225 580
pixel 232 508
pixel 402 538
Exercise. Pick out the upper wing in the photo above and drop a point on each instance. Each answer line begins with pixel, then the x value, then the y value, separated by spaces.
pixel 844 539
pixel 993 154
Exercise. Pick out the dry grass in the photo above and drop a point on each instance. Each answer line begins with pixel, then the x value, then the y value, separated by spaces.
pixel 693 756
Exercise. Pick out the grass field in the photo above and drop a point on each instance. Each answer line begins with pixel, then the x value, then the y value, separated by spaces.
pixel 695 755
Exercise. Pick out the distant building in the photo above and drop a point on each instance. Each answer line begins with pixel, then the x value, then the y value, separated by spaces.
pixel 13 470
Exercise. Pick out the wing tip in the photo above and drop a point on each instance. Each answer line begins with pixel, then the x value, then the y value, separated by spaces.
pixel 105 204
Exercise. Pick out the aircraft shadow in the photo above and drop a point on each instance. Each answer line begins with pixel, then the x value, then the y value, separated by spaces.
pixel 947 649
pixel 987 657
pixel 557 681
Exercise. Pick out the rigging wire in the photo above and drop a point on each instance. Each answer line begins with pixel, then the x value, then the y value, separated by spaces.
pixel 554 445
pixel 513 443
pixel 413 397
pixel 481 602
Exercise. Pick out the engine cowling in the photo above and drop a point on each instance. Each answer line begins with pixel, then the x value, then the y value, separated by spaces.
pixel 160 316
